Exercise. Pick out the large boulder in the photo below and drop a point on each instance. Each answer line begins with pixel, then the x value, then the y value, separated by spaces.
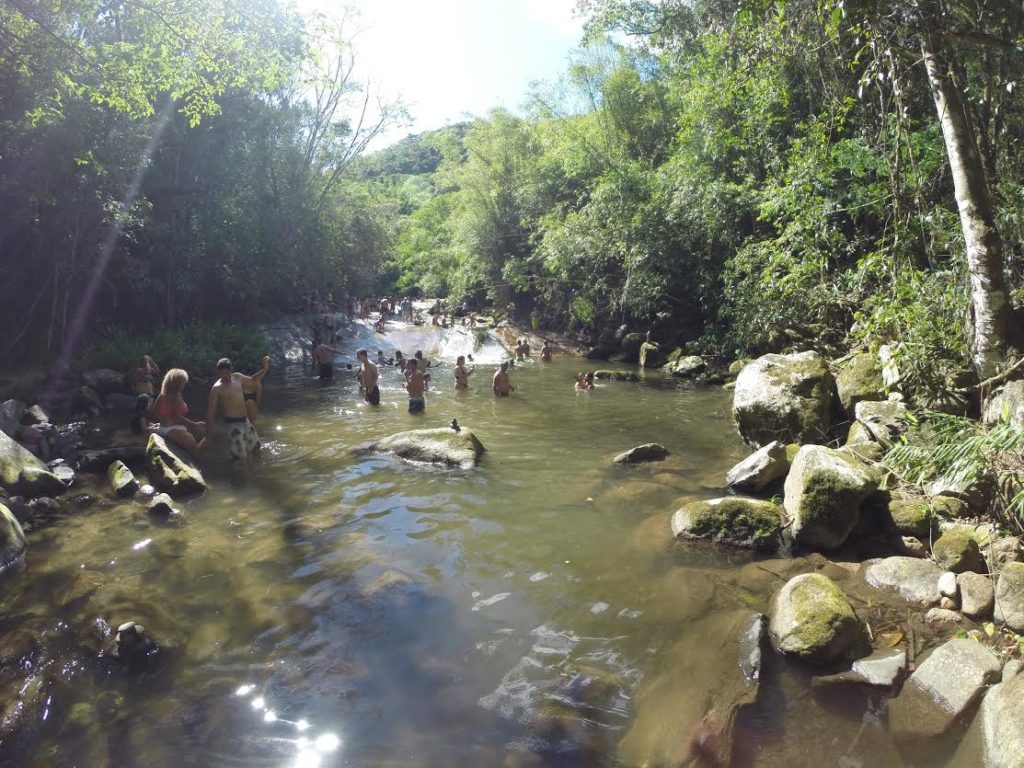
pixel 1006 405
pixel 1002 724
pixel 629 348
pixel 823 495
pixel 957 550
pixel 10 417
pixel 1009 597
pixel 916 580
pixel 783 397
pixel 860 378
pixel 651 355
pixel 912 517
pixel 943 690
pixel 21 472
pixel 732 520
pixel 103 380
pixel 12 540
pixel 811 619
pixel 642 453
pixel 170 470
pixel 433 446
pixel 686 715
pixel 760 469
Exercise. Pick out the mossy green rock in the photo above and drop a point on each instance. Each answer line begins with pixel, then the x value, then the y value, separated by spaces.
pixel 1009 597
pixel 629 347
pixel 616 375
pixel 783 397
pixel 433 446
pixel 732 520
pixel 25 474
pixel 859 379
pixel 122 481
pixel 912 517
pixel 12 539
pixel 651 355
pixel 811 619
pixel 170 470
pixel 823 494
pixel 957 550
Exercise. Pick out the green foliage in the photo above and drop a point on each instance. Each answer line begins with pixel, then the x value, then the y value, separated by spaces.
pixel 195 347
pixel 963 451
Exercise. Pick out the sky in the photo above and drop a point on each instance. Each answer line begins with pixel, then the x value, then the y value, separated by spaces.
pixel 448 59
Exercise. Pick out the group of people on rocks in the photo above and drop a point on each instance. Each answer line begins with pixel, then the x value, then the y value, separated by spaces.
pixel 235 395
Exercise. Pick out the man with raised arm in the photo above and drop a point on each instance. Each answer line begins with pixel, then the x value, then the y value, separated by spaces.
pixel 228 395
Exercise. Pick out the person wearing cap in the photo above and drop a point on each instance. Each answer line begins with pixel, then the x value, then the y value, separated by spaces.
pixel 228 394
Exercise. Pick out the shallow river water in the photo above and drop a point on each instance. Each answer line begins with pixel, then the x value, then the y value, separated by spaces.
pixel 333 609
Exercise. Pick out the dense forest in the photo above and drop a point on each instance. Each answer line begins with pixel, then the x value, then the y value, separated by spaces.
pixel 735 175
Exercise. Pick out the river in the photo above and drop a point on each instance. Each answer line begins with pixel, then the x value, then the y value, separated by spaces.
pixel 329 608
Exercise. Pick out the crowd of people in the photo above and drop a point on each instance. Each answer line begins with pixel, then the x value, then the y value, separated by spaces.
pixel 235 395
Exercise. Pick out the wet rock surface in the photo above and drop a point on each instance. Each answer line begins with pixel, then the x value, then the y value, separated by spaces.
pixel 642 453
pixel 122 481
pixel 433 446
pixel 170 470
pixel 1009 597
pixel 914 579
pixel 812 620
pixel 1002 724
pixel 12 540
pixel 883 669
pixel 943 690
pixel 732 520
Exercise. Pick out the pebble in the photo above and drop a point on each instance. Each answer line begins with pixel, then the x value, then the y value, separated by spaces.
pixel 948 586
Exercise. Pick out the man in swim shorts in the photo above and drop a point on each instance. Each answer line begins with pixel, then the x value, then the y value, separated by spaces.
pixel 323 361
pixel 502 384
pixel 415 385
pixel 227 394
pixel 368 376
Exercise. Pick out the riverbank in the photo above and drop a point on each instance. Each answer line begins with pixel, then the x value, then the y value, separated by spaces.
pixel 550 598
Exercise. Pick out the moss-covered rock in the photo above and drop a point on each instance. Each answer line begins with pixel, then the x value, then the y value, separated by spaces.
pixel 732 520
pixel 860 378
pixel 170 470
pixel 651 355
pixel 443 446
pixel 957 550
pixel 616 375
pixel 912 517
pixel 12 539
pixel 948 507
pixel 823 494
pixel 688 366
pixel 883 421
pixel 23 473
pixel 811 619
pixel 629 347
pixel 783 397
pixel 122 481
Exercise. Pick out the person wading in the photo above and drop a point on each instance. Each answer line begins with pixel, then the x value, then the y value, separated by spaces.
pixel 228 394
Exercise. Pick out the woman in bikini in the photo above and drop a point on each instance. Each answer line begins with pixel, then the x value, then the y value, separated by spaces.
pixel 252 391
pixel 171 411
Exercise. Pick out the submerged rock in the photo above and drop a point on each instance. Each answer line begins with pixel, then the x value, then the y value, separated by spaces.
pixel 171 470
pixel 686 715
pixel 943 690
pixel 433 446
pixel 760 469
pixel 122 481
pixel 616 375
pixel 1009 597
pixel 811 619
pixel 642 453
pixel 783 397
pixel 882 669
pixel 1002 724
pixel 12 540
pixel 732 520
pixel 823 495
pixel 21 472
pixel 916 580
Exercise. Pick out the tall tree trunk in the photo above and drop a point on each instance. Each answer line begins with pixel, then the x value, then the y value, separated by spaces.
pixel 989 297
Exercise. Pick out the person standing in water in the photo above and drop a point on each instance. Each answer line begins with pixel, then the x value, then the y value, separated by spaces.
pixel 502 384
pixel 227 394
pixel 415 385
pixel 545 352
pixel 323 361
pixel 368 376
pixel 462 373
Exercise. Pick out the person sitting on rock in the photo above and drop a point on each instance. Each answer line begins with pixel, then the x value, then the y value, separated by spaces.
pixel 144 376
pixel 228 395
pixel 171 412
pixel 502 384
